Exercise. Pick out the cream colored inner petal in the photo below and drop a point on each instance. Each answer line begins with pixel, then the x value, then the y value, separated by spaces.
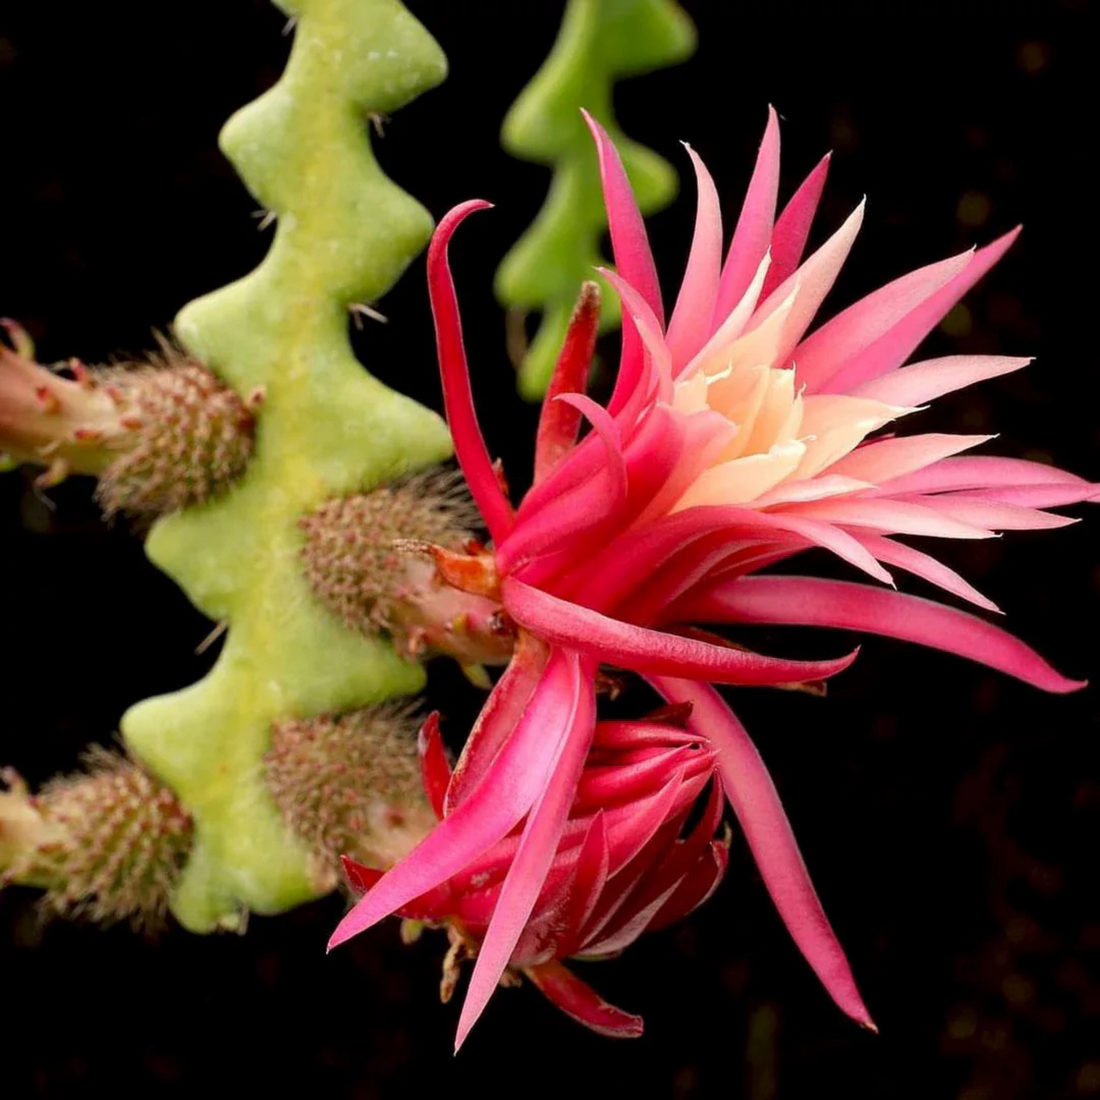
pixel 742 480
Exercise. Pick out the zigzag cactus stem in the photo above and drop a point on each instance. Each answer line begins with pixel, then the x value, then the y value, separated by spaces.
pixel 600 42
pixel 344 235
pixel 350 785
pixel 368 557
pixel 160 434
pixel 108 843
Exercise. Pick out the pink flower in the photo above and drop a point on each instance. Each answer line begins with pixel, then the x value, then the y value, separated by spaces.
pixel 732 440
pixel 620 867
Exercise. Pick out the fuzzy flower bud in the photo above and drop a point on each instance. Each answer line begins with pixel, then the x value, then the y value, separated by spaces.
pixel 374 560
pixel 107 843
pixel 159 434
pixel 350 784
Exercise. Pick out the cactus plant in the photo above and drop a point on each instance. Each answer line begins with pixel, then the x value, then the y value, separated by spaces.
pixel 326 430
pixel 600 41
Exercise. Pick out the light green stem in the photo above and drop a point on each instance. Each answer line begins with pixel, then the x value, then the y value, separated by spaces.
pixel 600 42
pixel 345 234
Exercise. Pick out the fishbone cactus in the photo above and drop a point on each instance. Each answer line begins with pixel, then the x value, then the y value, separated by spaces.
pixel 325 429
pixel 600 42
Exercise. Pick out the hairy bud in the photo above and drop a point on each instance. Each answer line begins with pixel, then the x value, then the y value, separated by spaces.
pixel 108 843
pixel 350 785
pixel 365 559
pixel 160 434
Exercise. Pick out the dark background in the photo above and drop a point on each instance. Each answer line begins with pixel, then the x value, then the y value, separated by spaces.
pixel 948 814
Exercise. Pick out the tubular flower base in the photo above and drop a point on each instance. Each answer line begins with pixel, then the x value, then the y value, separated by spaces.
pixel 734 438
pixel 621 865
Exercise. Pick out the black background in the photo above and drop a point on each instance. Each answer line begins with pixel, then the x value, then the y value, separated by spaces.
pixel 949 815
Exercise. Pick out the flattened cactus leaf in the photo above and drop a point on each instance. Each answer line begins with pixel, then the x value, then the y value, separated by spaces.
pixel 345 234
pixel 600 41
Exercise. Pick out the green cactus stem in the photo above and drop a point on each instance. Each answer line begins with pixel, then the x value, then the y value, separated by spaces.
pixel 326 429
pixel 600 42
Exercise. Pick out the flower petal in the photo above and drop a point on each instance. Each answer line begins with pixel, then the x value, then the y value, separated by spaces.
pixel 458 398
pixel 511 785
pixel 792 229
pixel 566 991
pixel 691 319
pixel 650 651
pixel 528 871
pixel 558 423
pixel 811 601
pixel 754 799
pixel 753 234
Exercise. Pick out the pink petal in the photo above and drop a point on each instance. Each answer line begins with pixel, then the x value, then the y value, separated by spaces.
pixel 435 771
pixel 606 428
pixel 810 601
pixel 891 517
pixel 580 1001
pixel 691 319
pixel 926 567
pixel 558 423
pixel 695 888
pixel 529 869
pixel 921 383
pixel 513 782
pixel 884 459
pixel 753 234
pixel 768 832
pixel 833 346
pixel 902 340
pixel 458 398
pixel 360 878
pixel 813 280
pixel 629 240
pixel 982 472
pixel 792 229
pixel 992 515
pixel 497 719
pixel 650 651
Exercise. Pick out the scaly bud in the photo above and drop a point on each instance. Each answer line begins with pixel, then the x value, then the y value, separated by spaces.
pixel 350 784
pixel 374 560
pixel 160 434
pixel 107 843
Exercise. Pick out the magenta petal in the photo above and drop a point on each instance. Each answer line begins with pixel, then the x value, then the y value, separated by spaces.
pixel 497 719
pixel 435 771
pixel 629 240
pixel 768 832
pixel 566 991
pixel 538 844
pixel 694 888
pixel 458 398
pixel 830 348
pixel 691 319
pixel 360 878
pixel 608 431
pixel 792 228
pixel 558 424
pixel 810 601
pixel 516 778
pixel 895 347
pixel 651 651
pixel 753 233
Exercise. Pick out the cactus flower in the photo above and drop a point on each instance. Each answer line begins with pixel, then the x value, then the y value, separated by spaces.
pixel 735 438
pixel 621 865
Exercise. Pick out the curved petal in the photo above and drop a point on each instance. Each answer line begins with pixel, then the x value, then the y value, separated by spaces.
pixel 558 423
pixel 650 651
pixel 691 319
pixel 754 799
pixel 566 991
pixel 537 846
pixel 458 399
pixel 810 601
pixel 792 228
pixel 513 782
